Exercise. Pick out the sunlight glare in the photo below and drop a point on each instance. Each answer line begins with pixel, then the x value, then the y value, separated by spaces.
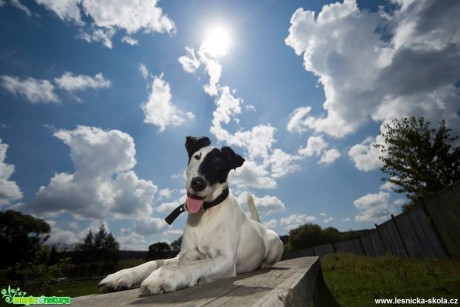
pixel 217 41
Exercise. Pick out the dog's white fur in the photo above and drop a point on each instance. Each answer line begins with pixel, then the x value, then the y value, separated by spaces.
pixel 219 242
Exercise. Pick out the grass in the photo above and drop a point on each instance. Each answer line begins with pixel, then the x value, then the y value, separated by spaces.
pixel 356 280
pixel 76 288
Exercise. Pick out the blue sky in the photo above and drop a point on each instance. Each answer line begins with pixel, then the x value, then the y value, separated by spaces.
pixel 96 98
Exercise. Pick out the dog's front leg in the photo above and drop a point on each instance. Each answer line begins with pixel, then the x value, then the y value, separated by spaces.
pixel 127 278
pixel 174 277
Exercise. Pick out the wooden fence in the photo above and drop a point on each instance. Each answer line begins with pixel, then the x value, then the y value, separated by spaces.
pixel 432 229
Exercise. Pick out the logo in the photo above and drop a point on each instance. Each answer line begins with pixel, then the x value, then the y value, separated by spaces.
pixel 16 296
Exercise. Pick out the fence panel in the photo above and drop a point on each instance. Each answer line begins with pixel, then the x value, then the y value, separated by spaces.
pixel 414 246
pixel 391 239
pixel 377 243
pixel 324 249
pixel 428 238
pixel 444 210
pixel 351 246
pixel 366 241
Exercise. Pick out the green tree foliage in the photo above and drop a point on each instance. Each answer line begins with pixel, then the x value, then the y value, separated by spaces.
pixel 176 244
pixel 101 247
pixel 310 235
pixel 159 250
pixel 418 159
pixel 21 238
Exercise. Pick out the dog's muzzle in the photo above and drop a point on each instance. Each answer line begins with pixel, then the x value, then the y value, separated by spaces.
pixel 198 184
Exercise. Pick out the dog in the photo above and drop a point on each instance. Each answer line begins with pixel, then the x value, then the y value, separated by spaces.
pixel 219 240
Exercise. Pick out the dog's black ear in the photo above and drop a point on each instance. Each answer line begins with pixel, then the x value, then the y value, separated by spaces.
pixel 232 159
pixel 193 144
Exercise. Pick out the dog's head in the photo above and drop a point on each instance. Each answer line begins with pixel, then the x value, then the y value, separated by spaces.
pixel 207 170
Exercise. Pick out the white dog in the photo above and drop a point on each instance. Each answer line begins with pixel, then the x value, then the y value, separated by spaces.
pixel 219 240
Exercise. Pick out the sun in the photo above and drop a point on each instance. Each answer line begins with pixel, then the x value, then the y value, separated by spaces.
pixel 217 41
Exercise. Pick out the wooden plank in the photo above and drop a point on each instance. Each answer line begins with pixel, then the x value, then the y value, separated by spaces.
pixel 288 283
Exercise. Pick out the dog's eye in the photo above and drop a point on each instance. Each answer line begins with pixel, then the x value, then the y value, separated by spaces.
pixel 197 157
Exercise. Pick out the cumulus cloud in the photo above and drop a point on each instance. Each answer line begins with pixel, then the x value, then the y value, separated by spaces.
pixel 192 60
pixel 9 190
pixel 296 220
pixel 266 205
pixel 316 146
pixel 379 65
pixel 159 109
pixel 329 156
pixel 366 155
pixel 103 184
pixel 375 207
pixel 43 91
pixel 104 18
pixel 34 90
pixel 71 82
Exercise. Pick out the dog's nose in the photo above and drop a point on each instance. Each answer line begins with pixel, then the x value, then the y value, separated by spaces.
pixel 198 184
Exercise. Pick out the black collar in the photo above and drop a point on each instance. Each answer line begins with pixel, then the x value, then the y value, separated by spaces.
pixel 206 205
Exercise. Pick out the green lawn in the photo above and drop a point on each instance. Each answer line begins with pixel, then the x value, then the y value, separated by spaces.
pixel 76 288
pixel 357 280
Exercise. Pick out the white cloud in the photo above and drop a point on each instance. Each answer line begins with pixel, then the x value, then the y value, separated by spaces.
pixel 296 220
pixel 71 82
pixel 67 10
pixel 375 207
pixel 61 236
pixel 98 35
pixel 129 40
pixel 147 225
pixel 103 183
pixel 190 62
pixel 130 240
pixel 327 220
pixel 298 120
pixel 271 223
pixel 265 205
pixel 252 175
pixel 19 5
pixel 9 190
pixel 366 155
pixel 34 90
pixel 315 146
pixel 159 109
pixel 105 17
pixel 282 163
pixel 143 70
pixel 366 63
pixel 329 156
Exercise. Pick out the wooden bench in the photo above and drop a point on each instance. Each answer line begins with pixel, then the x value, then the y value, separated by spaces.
pixel 288 283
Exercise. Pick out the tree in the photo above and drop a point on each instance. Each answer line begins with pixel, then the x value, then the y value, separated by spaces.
pixel 101 247
pixel 176 244
pixel 21 238
pixel 418 159
pixel 305 236
pixel 159 250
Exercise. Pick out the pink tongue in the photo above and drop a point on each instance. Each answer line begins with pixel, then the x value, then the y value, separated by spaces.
pixel 194 205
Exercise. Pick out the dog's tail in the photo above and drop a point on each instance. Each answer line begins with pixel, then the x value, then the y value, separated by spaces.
pixel 252 208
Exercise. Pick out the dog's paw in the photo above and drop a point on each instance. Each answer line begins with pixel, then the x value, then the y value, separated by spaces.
pixel 165 279
pixel 118 281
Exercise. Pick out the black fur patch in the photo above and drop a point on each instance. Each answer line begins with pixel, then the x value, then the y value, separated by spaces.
pixel 217 164
pixel 193 144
